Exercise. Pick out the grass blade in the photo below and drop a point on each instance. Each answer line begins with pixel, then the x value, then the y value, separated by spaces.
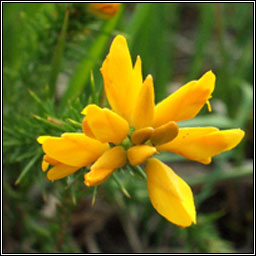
pixel 56 61
pixel 82 73
pixel 203 36
pixel 157 28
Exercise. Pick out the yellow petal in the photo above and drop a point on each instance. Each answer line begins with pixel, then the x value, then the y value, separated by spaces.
pixel 112 159
pixel 86 128
pixel 186 102
pixel 139 154
pixel 61 171
pixel 164 177
pixel 122 82
pixel 41 139
pixel 141 135
pixel 202 143
pixel 169 194
pixel 97 176
pixel 74 149
pixel 50 161
pixel 144 109
pixel 44 165
pixel 164 133
pixel 138 71
pixel 47 161
pixel 104 124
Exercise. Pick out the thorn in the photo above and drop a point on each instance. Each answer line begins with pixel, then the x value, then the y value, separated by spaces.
pixel 125 192
pixel 95 191
pixel 123 189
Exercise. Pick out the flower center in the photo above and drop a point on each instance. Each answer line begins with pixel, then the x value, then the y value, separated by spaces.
pixel 126 143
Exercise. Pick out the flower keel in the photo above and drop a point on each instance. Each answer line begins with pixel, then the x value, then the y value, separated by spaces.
pixel 169 194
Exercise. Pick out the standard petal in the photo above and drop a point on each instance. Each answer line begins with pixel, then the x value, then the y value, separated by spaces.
pixel 202 143
pixel 74 149
pixel 164 133
pixel 141 135
pixel 186 102
pixel 122 82
pixel 144 109
pixel 104 124
pixel 112 159
pixel 169 194
pixel 60 171
pixel 139 154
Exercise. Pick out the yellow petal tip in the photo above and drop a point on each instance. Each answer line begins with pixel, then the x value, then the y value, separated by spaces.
pixel 41 139
pixel 149 77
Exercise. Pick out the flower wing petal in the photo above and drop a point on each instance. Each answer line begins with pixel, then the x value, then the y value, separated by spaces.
pixel 169 194
pixel 112 159
pixel 122 82
pixel 74 149
pixel 143 113
pixel 186 102
pixel 140 153
pixel 104 124
pixel 60 171
pixel 48 161
pixel 44 165
pixel 202 143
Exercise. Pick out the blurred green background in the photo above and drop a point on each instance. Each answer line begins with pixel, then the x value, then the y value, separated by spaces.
pixel 49 50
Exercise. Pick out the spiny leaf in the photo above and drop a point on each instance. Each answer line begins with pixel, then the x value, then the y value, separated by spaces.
pixel 27 168
pixel 95 191
pixel 59 127
pixel 119 183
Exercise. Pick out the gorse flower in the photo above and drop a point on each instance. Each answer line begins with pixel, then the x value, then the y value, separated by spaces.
pixel 104 10
pixel 135 129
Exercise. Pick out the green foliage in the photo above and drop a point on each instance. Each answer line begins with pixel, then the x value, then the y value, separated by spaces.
pixel 82 72
pixel 52 54
pixel 205 238
pixel 156 22
pixel 56 61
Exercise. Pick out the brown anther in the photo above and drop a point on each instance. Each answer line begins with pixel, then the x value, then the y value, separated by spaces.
pixel 164 133
pixel 140 136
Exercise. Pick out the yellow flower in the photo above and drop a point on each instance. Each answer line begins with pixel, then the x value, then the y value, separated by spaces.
pixel 135 129
pixel 104 10
pixel 69 153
